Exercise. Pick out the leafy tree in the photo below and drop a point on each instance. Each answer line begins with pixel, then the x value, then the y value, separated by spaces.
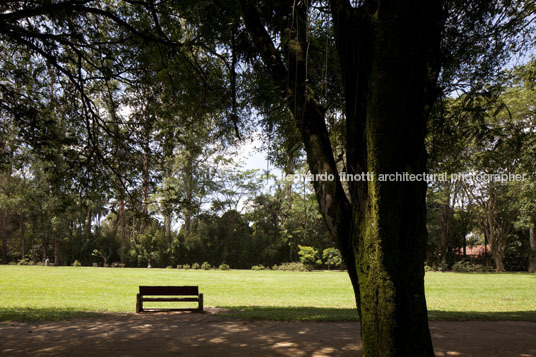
pixel 332 257
pixel 309 256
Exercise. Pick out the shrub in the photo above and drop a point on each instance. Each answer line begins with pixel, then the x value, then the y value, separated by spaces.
pixel 428 268
pixel 77 263
pixel 179 266
pixel 258 267
pixel 292 266
pixel 205 266
pixel 275 267
pixel 169 267
pixel 309 257
pixel 332 257
pixel 186 266
pixel 12 263
pixel 24 261
pixel 196 266
pixel 467 267
pixel 223 266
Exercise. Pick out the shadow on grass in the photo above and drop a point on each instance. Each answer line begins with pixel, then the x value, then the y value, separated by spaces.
pixel 483 316
pixel 337 314
pixel 42 314
pixel 291 313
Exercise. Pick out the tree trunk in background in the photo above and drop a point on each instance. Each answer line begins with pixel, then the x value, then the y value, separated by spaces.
pixel 22 237
pixel 167 227
pixel 57 256
pixel 447 216
pixel 189 195
pixel 123 226
pixel 388 54
pixel 532 253
pixel 145 188
pixel 88 222
pixel 3 232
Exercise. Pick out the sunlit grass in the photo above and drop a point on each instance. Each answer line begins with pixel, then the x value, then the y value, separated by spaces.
pixel 45 293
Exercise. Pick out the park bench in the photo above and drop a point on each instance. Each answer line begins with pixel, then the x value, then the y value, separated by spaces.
pixel 169 294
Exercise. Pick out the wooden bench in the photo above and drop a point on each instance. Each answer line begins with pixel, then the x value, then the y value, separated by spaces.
pixel 171 293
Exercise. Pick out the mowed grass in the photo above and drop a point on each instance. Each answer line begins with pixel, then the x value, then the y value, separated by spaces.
pixel 48 293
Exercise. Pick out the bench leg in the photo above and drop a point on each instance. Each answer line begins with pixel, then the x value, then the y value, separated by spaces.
pixel 139 304
pixel 200 309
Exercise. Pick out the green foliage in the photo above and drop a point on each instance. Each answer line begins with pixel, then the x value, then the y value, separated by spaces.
pixel 258 267
pixel 292 266
pixel 309 257
pixel 77 263
pixel 223 266
pixel 205 266
pixel 332 257
pixel 467 267
pixel 25 261
pixel 196 266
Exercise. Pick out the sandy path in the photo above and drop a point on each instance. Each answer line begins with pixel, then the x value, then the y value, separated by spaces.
pixel 186 334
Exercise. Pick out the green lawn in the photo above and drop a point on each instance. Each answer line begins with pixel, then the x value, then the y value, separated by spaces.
pixel 36 292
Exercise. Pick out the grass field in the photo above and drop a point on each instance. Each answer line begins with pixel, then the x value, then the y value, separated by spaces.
pixel 47 293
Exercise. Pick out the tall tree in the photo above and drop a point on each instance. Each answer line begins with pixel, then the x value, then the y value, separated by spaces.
pixel 388 55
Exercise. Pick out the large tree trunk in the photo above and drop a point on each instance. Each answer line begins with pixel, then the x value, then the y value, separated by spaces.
pixel 391 237
pixel 532 253
pixel 388 66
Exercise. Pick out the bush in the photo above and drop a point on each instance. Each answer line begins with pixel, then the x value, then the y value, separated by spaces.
pixel 223 266
pixel 467 267
pixel 205 266
pixel 428 268
pixel 275 267
pixel 12 263
pixel 332 257
pixel 169 267
pixel 196 266
pixel 186 266
pixel 258 267
pixel 77 263
pixel 25 261
pixel 293 266
pixel 309 257
pixel 179 266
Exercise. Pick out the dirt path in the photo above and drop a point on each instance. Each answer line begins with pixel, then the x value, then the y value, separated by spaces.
pixel 186 334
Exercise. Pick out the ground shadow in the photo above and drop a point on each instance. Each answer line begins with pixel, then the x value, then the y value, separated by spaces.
pixel 43 314
pixel 482 316
pixel 292 313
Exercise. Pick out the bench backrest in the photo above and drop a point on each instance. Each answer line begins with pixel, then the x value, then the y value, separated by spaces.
pixel 169 290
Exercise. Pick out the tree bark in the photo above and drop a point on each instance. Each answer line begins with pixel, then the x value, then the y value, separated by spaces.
pixel 386 50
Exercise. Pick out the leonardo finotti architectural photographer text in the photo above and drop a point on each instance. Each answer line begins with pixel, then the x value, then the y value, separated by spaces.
pixel 410 177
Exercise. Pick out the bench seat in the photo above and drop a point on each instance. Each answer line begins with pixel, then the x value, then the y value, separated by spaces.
pixel 171 294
